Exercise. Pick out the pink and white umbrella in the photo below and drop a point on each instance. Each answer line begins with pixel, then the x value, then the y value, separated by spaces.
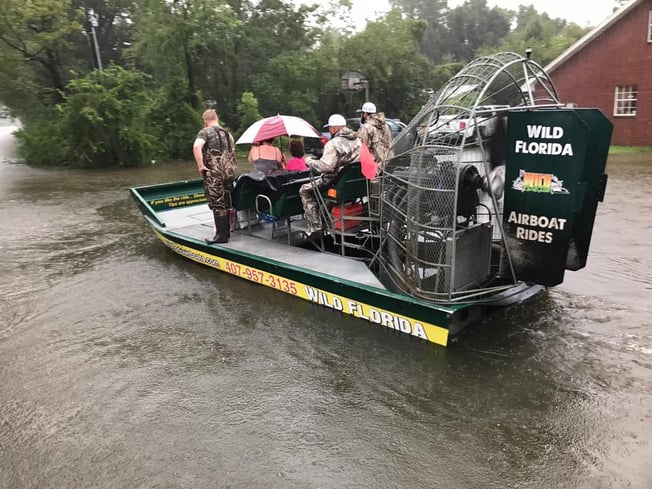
pixel 278 125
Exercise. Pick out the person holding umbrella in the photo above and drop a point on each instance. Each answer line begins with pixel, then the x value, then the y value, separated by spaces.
pixel 214 153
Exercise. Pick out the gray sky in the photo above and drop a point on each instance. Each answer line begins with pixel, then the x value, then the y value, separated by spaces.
pixel 582 12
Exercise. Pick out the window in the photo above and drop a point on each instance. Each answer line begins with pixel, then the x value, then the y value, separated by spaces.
pixel 649 27
pixel 625 100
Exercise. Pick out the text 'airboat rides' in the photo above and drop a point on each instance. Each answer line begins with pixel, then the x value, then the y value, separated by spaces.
pixel 488 196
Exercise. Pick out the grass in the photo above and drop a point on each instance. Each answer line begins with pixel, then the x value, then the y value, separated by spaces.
pixel 629 150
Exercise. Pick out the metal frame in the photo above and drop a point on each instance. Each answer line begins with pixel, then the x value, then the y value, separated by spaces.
pixel 425 205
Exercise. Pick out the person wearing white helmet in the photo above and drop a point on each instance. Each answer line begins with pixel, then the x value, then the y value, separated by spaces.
pixel 375 133
pixel 342 148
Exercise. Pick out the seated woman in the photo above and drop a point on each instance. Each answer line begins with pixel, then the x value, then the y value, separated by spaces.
pixel 297 162
pixel 266 157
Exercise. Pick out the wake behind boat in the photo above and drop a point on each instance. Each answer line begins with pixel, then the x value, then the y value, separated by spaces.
pixel 488 197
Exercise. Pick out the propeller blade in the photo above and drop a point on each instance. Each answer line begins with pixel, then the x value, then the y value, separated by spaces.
pixel 498 143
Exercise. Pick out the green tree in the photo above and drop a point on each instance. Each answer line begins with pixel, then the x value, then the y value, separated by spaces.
pixel 173 121
pixel 187 39
pixel 218 46
pixel 102 121
pixel 243 57
pixel 434 42
pixel 114 31
pixel 37 33
pixel 247 111
pixel 20 89
pixel 45 42
pixel 547 37
pixel 473 25
pixel 296 83
pixel 269 29
pixel 387 52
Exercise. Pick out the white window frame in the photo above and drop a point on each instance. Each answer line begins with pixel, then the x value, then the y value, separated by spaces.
pixel 649 27
pixel 625 100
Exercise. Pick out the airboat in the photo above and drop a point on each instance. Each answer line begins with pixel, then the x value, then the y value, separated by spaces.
pixel 488 196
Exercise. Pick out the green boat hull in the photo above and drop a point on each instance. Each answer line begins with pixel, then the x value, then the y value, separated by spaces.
pixel 345 293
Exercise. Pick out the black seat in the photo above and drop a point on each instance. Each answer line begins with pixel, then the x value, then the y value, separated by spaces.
pixel 249 185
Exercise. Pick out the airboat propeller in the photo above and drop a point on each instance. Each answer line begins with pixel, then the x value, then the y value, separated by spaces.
pixel 469 201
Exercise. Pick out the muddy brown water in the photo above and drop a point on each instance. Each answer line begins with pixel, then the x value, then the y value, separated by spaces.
pixel 123 365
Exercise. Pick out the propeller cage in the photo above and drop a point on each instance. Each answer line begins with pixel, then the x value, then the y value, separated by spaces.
pixel 440 220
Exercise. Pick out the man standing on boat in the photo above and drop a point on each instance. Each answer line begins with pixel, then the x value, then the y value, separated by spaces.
pixel 375 133
pixel 342 149
pixel 214 152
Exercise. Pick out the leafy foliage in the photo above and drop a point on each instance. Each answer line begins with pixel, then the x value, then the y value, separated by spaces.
pixel 434 43
pixel 39 33
pixel 166 60
pixel 101 122
pixel 42 141
pixel 293 83
pixel 473 25
pixel 547 37
pixel 387 53
pixel 247 111
pixel 173 120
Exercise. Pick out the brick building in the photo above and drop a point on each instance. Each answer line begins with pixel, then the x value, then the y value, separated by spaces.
pixel 611 68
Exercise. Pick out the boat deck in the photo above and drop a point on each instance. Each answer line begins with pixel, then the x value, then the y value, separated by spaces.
pixel 197 222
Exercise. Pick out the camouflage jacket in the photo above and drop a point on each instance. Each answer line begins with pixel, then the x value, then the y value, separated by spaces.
pixel 342 149
pixel 377 135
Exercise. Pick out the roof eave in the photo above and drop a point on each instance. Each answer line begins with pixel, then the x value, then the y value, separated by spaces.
pixel 590 36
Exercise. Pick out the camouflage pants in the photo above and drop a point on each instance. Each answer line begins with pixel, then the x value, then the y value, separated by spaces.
pixel 217 190
pixel 310 206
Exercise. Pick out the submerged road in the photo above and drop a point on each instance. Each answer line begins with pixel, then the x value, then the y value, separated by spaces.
pixel 123 365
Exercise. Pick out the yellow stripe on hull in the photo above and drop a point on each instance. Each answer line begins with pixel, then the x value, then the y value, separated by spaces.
pixel 429 332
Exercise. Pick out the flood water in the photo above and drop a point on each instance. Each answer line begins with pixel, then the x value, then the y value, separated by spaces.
pixel 123 365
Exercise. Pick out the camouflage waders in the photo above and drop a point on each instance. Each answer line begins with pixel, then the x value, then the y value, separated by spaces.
pixel 219 158
pixel 309 201
pixel 342 149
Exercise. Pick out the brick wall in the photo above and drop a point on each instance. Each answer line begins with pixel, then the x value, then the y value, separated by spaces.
pixel 621 55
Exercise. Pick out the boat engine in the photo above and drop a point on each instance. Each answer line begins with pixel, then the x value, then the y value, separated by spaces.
pixel 493 183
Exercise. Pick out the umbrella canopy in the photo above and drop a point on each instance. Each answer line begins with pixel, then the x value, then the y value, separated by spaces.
pixel 278 125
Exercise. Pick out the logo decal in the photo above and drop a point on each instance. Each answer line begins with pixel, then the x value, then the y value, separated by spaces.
pixel 539 182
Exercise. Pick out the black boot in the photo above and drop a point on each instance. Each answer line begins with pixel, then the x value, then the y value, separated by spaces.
pixel 222 231
pixel 226 225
